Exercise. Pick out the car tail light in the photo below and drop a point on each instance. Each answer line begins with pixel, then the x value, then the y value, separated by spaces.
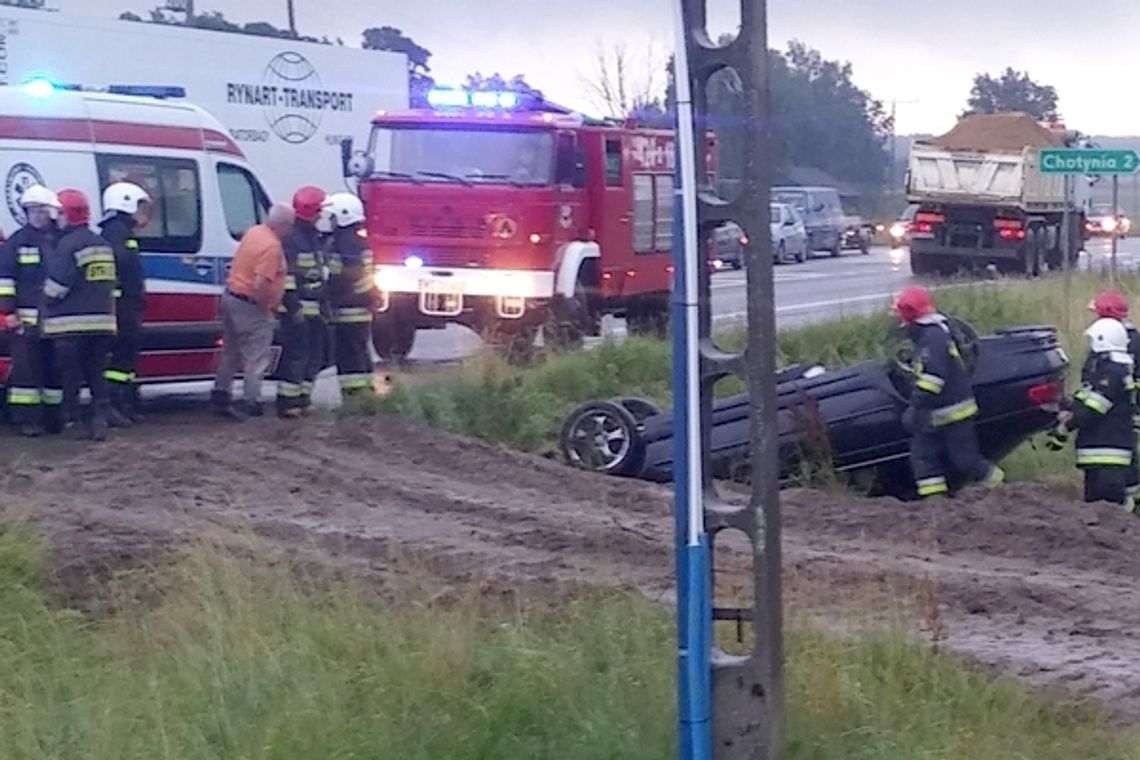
pixel 1011 234
pixel 923 227
pixel 929 218
pixel 1045 393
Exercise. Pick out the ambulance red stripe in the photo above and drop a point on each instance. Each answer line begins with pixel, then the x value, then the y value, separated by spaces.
pixel 117 133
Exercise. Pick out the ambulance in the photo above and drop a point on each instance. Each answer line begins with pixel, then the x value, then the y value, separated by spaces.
pixel 206 195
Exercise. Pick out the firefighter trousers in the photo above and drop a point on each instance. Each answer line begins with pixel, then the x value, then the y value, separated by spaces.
pixel 125 349
pixel 82 361
pixel 1107 483
pixel 949 451
pixel 302 359
pixel 1134 470
pixel 35 392
pixel 353 362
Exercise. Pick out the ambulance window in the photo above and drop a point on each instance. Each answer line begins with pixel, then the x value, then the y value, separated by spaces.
pixel 613 162
pixel 663 186
pixel 243 200
pixel 175 224
pixel 642 213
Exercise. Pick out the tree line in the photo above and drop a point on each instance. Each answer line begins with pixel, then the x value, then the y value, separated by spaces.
pixel 820 117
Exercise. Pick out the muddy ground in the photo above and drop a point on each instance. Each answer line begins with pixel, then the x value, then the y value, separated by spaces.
pixel 1024 579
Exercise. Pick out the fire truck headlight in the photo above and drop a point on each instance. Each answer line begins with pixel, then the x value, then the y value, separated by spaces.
pixel 413 262
pixel 383 279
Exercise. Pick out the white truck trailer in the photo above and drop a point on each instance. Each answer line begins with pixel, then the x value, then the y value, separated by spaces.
pixel 981 199
pixel 287 104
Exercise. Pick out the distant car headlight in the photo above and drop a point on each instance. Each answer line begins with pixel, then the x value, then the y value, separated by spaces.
pixel 1108 224
pixel 898 231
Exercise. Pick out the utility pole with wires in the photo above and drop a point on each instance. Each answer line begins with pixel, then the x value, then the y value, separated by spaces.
pixel 895 103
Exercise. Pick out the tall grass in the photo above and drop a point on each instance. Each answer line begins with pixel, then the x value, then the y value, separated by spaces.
pixel 237 660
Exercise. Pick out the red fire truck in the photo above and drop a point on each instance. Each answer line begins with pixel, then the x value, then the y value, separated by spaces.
pixel 511 215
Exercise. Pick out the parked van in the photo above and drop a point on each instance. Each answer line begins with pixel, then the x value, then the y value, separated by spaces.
pixel 822 213
pixel 205 195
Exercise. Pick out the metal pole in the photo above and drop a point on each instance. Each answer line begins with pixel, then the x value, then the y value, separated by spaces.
pixel 694 602
pixel 292 18
pixel 1116 217
pixel 1066 248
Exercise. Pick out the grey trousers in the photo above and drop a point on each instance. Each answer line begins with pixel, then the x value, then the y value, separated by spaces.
pixel 247 337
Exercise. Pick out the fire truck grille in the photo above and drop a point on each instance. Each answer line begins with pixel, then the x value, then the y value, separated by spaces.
pixel 453 257
pixel 447 228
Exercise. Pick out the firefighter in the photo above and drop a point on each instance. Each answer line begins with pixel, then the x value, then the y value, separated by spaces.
pixel 1101 413
pixel 34 391
pixel 302 325
pixel 79 312
pixel 1111 304
pixel 942 406
pixel 125 208
pixel 352 293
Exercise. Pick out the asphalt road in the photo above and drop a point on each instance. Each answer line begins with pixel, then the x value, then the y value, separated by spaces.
pixel 820 289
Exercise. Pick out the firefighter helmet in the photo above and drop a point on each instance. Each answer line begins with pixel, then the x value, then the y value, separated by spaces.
pixel 345 209
pixel 307 202
pixel 914 303
pixel 1110 304
pixel 38 195
pixel 1106 336
pixel 75 207
pixel 124 197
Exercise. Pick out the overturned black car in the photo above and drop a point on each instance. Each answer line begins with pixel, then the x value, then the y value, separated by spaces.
pixel 849 419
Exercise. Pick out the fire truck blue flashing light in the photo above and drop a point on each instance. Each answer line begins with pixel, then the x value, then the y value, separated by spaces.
pixel 42 87
pixel 446 98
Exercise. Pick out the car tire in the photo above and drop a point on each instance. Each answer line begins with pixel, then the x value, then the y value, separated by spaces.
pixel 737 265
pixel 782 253
pixel 804 253
pixel 602 437
pixel 837 249
pixel 641 408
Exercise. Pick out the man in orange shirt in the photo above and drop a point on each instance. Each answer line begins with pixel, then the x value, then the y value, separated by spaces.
pixel 253 292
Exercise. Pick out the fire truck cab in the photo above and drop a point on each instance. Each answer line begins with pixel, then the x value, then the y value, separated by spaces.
pixel 508 215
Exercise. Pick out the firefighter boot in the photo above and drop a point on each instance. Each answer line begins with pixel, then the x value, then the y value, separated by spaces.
pixel 117 411
pixel 100 419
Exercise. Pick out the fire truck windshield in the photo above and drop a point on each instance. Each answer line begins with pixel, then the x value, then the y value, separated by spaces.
pixel 479 156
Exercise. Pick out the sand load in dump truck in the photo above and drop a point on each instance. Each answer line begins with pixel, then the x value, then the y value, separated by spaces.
pixel 982 200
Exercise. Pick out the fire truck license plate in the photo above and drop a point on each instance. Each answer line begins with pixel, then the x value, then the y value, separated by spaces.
pixel 440 285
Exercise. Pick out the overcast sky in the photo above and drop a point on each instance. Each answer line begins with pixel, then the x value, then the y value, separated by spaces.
pixel 921 51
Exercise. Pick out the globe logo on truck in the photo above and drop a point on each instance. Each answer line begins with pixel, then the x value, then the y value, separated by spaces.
pixel 291 96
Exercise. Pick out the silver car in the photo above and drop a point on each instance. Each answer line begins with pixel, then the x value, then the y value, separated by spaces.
pixel 789 237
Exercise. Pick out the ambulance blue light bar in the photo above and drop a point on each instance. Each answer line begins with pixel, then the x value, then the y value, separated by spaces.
pixel 42 87
pixel 450 98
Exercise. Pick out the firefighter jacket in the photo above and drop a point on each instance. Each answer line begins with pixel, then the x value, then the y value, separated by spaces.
pixel 943 394
pixel 130 293
pixel 79 288
pixel 352 293
pixel 1102 411
pixel 305 282
pixel 23 260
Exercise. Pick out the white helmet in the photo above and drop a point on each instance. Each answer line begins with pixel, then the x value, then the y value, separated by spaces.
pixel 125 197
pixel 343 209
pixel 1106 336
pixel 38 195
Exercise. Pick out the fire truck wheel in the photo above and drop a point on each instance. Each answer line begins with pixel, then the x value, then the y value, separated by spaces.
pixel 517 347
pixel 648 318
pixel 392 339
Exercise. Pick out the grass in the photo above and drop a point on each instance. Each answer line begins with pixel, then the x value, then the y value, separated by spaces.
pixel 236 660
pixel 523 409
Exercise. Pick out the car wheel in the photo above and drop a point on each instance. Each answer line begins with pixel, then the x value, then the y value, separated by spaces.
pixel 603 437
pixel 837 249
pixel 641 408
pixel 738 264
pixel 782 253
pixel 802 256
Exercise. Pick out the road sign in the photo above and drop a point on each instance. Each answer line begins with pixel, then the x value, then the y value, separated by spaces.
pixel 1088 161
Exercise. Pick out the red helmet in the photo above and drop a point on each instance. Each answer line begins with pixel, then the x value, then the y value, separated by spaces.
pixel 913 303
pixel 1110 304
pixel 307 203
pixel 75 207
